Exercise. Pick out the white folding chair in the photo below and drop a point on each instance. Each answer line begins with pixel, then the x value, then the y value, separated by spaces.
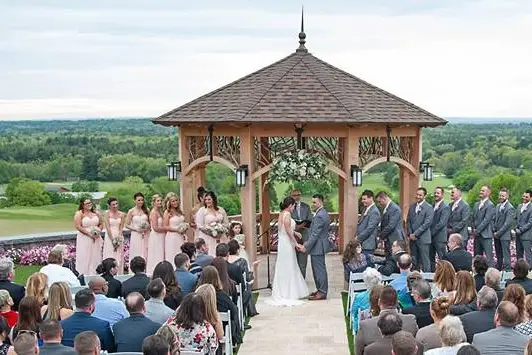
pixel 427 276
pixel 356 287
pixel 189 352
pixel 88 278
pixel 240 306
pixel 353 277
pixel 507 275
pixel 76 289
pixel 228 337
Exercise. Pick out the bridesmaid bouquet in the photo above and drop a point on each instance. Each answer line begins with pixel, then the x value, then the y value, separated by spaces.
pixel 182 227
pixel 143 226
pixel 215 229
pixel 118 242
pixel 95 233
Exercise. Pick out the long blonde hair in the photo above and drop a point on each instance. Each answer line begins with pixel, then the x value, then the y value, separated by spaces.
pixel 167 199
pixel 208 294
pixel 59 297
pixel 170 337
pixel 153 199
pixel 37 286
pixel 465 288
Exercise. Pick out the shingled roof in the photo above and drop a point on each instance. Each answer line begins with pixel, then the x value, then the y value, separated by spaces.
pixel 300 88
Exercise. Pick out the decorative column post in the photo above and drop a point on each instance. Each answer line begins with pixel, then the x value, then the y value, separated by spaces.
pixel 341 191
pixel 186 186
pixel 405 195
pixel 247 193
pixel 349 214
pixel 264 199
pixel 199 177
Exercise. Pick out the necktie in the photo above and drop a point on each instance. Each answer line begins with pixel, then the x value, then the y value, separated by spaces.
pixel 454 206
pixel 481 205
pixel 523 208
pixel 418 208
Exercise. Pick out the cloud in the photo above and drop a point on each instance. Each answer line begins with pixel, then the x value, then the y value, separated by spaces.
pixel 134 58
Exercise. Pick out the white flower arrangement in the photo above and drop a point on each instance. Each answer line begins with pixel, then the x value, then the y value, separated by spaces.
pixel 215 229
pixel 299 166
pixel 182 227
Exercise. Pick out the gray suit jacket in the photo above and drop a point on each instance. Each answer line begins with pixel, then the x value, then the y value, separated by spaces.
pixel 438 228
pixel 369 332
pixel 305 214
pixel 459 218
pixel 503 221
pixel 392 224
pixel 501 340
pixel 524 223
pixel 56 349
pixel 419 223
pixel 368 227
pixel 318 241
pixel 482 219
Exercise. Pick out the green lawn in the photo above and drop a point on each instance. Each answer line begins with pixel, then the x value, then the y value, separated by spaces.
pixel 23 272
pixel 27 220
pixel 349 333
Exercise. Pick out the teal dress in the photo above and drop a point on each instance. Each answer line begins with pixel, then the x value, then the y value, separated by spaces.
pixel 361 302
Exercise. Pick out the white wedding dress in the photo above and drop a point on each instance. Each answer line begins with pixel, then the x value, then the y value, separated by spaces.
pixel 289 286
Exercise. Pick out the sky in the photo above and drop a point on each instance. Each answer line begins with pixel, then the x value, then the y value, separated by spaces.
pixel 123 58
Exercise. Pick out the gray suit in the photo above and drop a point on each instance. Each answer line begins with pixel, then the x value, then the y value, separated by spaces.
pixel 523 240
pixel 482 220
pixel 391 226
pixel 438 233
pixel 502 226
pixel 367 229
pixel 317 246
pixel 418 223
pixel 501 340
pixel 459 220
pixel 56 349
pixel 305 214
pixel 369 332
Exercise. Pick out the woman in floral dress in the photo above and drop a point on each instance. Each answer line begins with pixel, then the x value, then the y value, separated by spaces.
pixel 174 223
pixel 209 215
pixel 192 328
pixel 137 221
pixel 89 239
pixel 113 245
pixel 156 249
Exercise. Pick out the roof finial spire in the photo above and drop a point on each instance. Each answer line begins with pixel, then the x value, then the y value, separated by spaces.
pixel 302 35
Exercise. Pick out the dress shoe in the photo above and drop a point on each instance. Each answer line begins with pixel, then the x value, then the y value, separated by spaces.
pixel 314 293
pixel 247 326
pixel 317 297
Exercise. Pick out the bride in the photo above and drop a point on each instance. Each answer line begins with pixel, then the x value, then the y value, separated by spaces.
pixel 288 283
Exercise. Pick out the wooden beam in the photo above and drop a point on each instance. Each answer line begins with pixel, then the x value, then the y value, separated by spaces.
pixel 341 192
pixel 349 213
pixel 186 185
pixel 264 195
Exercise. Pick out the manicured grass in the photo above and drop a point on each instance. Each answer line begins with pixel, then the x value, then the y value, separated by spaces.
pixel 23 272
pixel 349 333
pixel 28 220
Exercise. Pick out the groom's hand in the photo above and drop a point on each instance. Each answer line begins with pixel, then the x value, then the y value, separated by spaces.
pixel 302 249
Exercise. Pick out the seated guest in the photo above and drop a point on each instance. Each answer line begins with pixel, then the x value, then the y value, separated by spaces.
pixel 56 272
pixel 368 331
pixel 155 345
pixel 208 293
pixel 234 271
pixel 29 318
pixel 108 309
pixel 234 259
pixel 37 286
pixel 526 326
pixel 521 276
pixel 371 279
pixel 4 336
pixel 6 302
pixel 492 279
pixel 354 259
pixel 130 332
pixel 166 333
pixel 403 343
pixel 480 266
pixel 481 320
pixel 405 295
pixel 457 255
pixel 51 333
pixel 156 310
pixel 191 327
pixel 452 336
pixel 228 285
pixel 516 294
pixel 388 324
pixel 174 295
pixel 202 254
pixel 189 249
pixel 468 350
pixel 444 279
pixel 465 298
pixel 87 343
pixel 428 336
pixel 139 281
pixel 185 279
pixel 82 320
pixel 26 344
pixel 421 292
pixel 7 274
pixel 108 269
pixel 390 265
pixel 67 260
pixel 59 305
pixel 503 339
pixel 374 309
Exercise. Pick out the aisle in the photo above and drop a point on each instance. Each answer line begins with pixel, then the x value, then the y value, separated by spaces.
pixel 317 327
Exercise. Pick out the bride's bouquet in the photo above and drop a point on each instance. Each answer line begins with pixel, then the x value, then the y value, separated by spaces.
pixel 182 227
pixel 215 229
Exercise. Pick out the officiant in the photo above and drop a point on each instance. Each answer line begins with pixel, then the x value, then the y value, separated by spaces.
pixel 302 214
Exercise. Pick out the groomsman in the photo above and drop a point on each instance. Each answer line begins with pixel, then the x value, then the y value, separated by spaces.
pixel 459 217
pixel 368 223
pixel 438 228
pixel 502 226
pixel 523 230
pixel 483 213
pixel 391 222
pixel 303 216
pixel 418 224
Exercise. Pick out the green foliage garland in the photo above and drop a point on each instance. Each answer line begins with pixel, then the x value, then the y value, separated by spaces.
pixel 298 166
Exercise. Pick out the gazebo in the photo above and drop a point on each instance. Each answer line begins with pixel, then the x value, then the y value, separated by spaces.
pixel 299 101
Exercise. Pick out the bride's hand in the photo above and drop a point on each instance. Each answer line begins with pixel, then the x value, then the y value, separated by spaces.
pixel 297 235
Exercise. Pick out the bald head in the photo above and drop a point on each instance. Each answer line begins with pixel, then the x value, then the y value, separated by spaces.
pixel 405 262
pixel 135 303
pixel 507 314
pixel 455 241
pixel 98 285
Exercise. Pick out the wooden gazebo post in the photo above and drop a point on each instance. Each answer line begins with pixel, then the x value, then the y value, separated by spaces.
pixel 349 212
pixel 247 195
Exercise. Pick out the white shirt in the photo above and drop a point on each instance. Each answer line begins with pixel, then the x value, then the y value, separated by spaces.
pixel 455 204
pixel 418 206
pixel 524 206
pixel 367 209
pixel 482 202
pixel 57 273
pixel 437 204
pixel 503 205
pixel 386 208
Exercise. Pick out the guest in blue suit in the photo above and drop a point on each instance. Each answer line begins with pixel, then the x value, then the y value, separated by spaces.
pixel 185 279
pixel 82 320
pixel 130 332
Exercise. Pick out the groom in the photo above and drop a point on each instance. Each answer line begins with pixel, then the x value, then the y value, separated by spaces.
pixel 317 246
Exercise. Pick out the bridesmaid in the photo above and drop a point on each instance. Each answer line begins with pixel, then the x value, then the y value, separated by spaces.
pixel 192 217
pixel 113 246
pixel 171 220
pixel 156 248
pixel 89 239
pixel 137 221
pixel 208 214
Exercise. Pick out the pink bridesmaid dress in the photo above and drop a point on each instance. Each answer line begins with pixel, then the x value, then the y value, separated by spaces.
pixel 138 241
pixel 173 240
pixel 88 250
pixel 156 249
pixel 108 248
pixel 204 217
